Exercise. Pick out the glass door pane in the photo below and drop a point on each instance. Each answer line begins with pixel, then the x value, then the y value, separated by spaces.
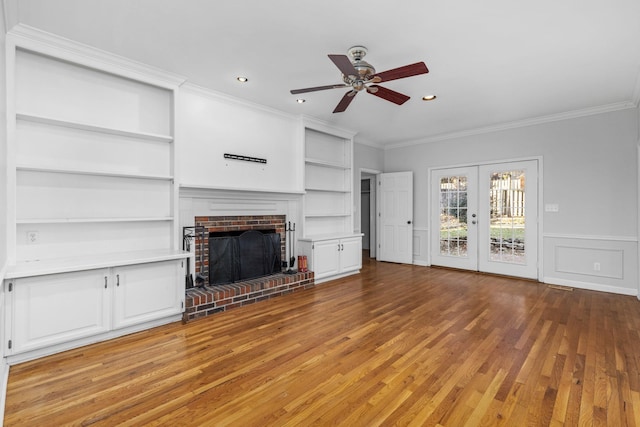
pixel 507 216
pixel 454 235
pixel 508 219
pixel 453 216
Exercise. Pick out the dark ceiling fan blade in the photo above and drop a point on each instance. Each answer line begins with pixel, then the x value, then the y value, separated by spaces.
pixel 402 72
pixel 388 94
pixel 344 64
pixel 345 101
pixel 313 89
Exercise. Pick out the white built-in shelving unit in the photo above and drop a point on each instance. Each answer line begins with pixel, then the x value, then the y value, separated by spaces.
pixel 328 183
pixel 92 194
pixel 328 240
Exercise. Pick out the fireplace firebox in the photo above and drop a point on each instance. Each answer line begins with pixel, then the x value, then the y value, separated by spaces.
pixel 237 256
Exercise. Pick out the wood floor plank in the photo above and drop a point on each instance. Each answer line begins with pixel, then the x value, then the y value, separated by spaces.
pixel 395 345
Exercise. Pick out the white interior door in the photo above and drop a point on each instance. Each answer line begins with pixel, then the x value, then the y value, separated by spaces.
pixel 395 217
pixel 485 218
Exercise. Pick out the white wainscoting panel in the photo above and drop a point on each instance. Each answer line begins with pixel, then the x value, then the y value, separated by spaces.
pixel 421 246
pixel 601 263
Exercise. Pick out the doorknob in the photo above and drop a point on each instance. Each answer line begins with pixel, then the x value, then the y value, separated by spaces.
pixel 409 222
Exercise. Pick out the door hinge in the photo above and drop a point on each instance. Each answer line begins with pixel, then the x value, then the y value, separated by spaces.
pixel 9 344
pixel 182 304
pixel 10 286
pixel 181 264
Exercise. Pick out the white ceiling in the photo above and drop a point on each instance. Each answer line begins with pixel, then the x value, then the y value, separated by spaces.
pixel 492 63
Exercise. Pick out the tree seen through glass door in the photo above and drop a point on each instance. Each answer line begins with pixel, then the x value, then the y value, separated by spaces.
pixel 453 216
pixel 507 230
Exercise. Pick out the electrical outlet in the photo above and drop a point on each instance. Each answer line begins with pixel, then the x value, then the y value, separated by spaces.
pixel 32 237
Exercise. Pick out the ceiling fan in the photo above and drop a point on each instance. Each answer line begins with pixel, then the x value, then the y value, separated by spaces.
pixel 360 75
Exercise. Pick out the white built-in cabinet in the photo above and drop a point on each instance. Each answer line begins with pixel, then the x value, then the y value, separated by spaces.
pixel 92 212
pixel 47 310
pixel 145 292
pixel 50 311
pixel 332 248
pixel 330 258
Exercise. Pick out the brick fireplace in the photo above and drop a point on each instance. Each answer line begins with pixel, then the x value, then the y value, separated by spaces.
pixel 218 224
pixel 211 299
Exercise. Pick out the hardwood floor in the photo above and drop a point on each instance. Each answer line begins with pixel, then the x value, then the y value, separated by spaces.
pixel 395 345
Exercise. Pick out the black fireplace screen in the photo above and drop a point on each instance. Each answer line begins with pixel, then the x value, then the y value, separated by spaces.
pixel 249 255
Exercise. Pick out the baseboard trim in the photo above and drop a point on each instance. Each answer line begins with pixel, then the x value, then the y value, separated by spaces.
pixel 590 286
pixel 58 348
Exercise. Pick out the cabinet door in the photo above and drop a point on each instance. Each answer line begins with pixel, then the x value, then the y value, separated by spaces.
pixel 48 310
pixel 326 258
pixel 147 292
pixel 351 254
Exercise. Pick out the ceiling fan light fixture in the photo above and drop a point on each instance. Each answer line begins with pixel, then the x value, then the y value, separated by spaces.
pixel 429 97
pixel 242 79
pixel 359 75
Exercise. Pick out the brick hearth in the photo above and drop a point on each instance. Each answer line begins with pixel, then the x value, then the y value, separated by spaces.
pixel 201 302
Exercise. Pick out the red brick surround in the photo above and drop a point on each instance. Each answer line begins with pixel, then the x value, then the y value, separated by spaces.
pixel 234 223
pixel 201 302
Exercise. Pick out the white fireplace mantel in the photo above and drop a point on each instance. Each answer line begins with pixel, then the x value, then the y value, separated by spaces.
pixel 215 201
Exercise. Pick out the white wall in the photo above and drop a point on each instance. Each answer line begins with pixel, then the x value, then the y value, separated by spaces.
pixel 210 125
pixel 368 158
pixel 589 170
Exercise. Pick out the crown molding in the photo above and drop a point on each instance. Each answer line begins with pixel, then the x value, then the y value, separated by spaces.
pixel 321 126
pixel 518 124
pixel 219 96
pixel 38 41
pixel 368 143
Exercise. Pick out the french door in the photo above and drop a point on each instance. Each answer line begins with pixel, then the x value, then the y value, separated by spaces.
pixel 485 218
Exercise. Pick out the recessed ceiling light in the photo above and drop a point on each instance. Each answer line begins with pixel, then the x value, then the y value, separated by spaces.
pixel 242 79
pixel 429 97
pixel 301 101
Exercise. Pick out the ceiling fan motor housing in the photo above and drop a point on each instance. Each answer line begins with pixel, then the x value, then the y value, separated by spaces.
pixel 364 69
